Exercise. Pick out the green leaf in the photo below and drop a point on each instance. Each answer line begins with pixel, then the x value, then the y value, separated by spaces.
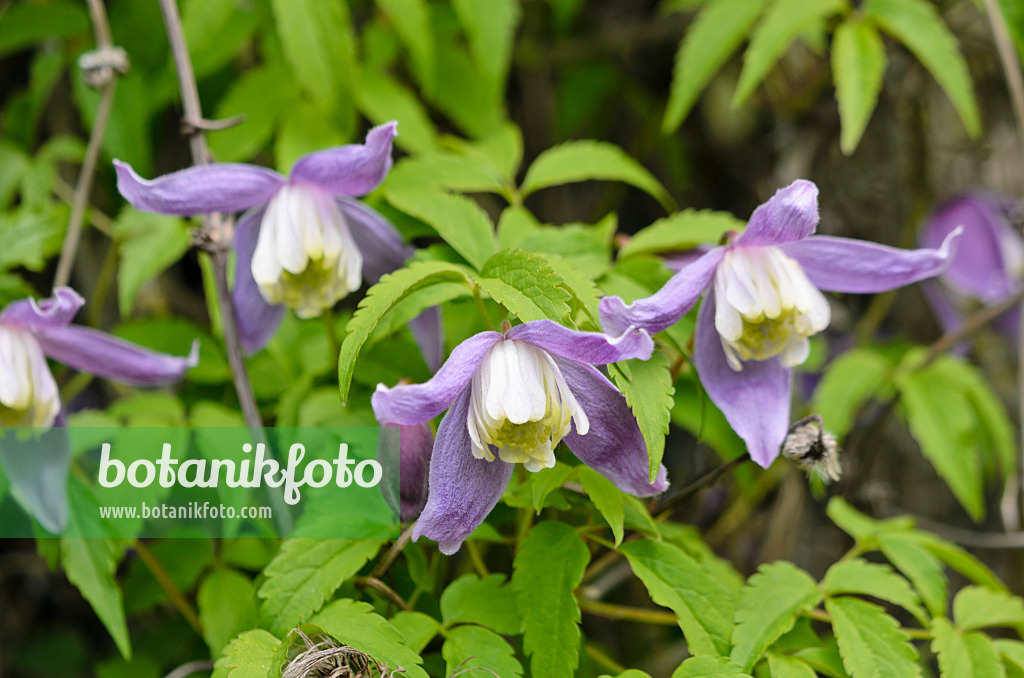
pixel 417 628
pixel 382 98
pixel 785 21
pixel 227 606
pixel 870 641
pixel 858 68
pixel 606 497
pixel 31 236
pixel 941 420
pixel 252 655
pixel 709 667
pixel 411 20
pixel 647 385
pixel 548 567
pixel 356 624
pixel 872 579
pixel 850 381
pixel 90 564
pixel 382 297
pixel 975 607
pixel 248 95
pixel 491 29
pixel 460 221
pixel 304 128
pixel 1012 652
pixel 784 666
pixel 468 647
pixel 924 570
pixel 147 244
pixel 964 655
pixel 1013 12
pixel 768 607
pixel 702 603
pixel 585 160
pixel 917 24
pixel 306 573
pixel 318 42
pixel 527 277
pixel 682 231
pixel 443 170
pixel 23 24
pixel 960 560
pixel 489 602
pixel 710 41
pixel 544 482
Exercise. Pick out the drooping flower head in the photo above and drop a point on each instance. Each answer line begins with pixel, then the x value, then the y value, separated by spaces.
pixel 763 302
pixel 988 265
pixel 304 242
pixel 511 398
pixel 31 330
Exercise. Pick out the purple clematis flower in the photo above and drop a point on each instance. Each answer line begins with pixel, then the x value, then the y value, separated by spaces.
pixel 303 242
pixel 511 398
pixel 987 267
pixel 31 330
pixel 763 302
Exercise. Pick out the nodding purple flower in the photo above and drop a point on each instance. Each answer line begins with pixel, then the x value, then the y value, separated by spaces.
pixel 31 330
pixel 763 301
pixel 303 242
pixel 511 398
pixel 988 265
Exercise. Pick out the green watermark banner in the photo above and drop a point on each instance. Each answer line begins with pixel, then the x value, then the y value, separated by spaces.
pixel 198 482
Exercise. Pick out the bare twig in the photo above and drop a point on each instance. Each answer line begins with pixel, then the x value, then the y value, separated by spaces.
pixel 389 558
pixel 185 670
pixel 699 484
pixel 385 590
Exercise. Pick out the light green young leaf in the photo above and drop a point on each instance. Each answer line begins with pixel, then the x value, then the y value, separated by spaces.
pixel 647 385
pixel 468 647
pixel 710 41
pixel 586 160
pixel 873 579
pixel 382 99
pixel 248 96
pixel 546 481
pixel 858 67
pixel 319 43
pixel 960 560
pixel 529 278
pixel 548 567
pixel 702 603
pixel 382 297
pixel 1012 653
pixel 411 19
pixel 682 231
pixel 768 607
pixel 581 286
pixel 417 628
pixel 785 666
pixel 709 667
pixel 31 236
pixel 491 29
pixel 460 221
pixel 784 22
pixel 251 655
pixel 227 606
pixel 917 24
pixel 870 641
pixel 964 655
pixel 515 225
pixel 89 564
pixel 923 569
pixel 489 602
pixel 147 244
pixel 306 573
pixel 975 608
pixel 357 625
pixel 606 497
pixel 850 381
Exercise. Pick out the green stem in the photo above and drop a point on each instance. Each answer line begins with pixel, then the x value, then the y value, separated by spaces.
pixel 622 612
pixel 168 585
pixel 483 309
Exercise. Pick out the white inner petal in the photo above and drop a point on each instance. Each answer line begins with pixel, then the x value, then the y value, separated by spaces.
pixel 305 257
pixel 28 393
pixel 521 406
pixel 766 307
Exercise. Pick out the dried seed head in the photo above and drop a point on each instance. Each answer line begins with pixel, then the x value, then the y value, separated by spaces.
pixel 814 449
pixel 324 657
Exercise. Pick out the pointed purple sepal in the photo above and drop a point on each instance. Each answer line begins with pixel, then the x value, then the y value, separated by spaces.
pixel 595 348
pixel 789 215
pixel 352 170
pixel 57 311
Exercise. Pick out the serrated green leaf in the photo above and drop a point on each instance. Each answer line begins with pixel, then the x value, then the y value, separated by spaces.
pixel 784 666
pixel 382 297
pixel 548 567
pixel 147 244
pixel 858 68
pixel 357 625
pixel 850 381
pixel 873 579
pixel 709 667
pixel 411 20
pixel 382 99
pixel 586 160
pixel 247 95
pixel 703 604
pixel 607 499
pixel 975 607
pixel 960 560
pixel 460 221
pixel 768 607
pixel 1012 652
pixel 870 641
pixel 785 21
pixel 469 647
pixel 227 606
pixel 970 655
pixel 491 29
pixel 648 387
pixel 710 41
pixel 89 564
pixel 252 655
pixel 917 24
pixel 320 46
pixel 31 236
pixel 546 481
pixel 417 628
pixel 489 602
pixel 682 231
pixel 923 569
pixel 527 277
pixel 306 573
